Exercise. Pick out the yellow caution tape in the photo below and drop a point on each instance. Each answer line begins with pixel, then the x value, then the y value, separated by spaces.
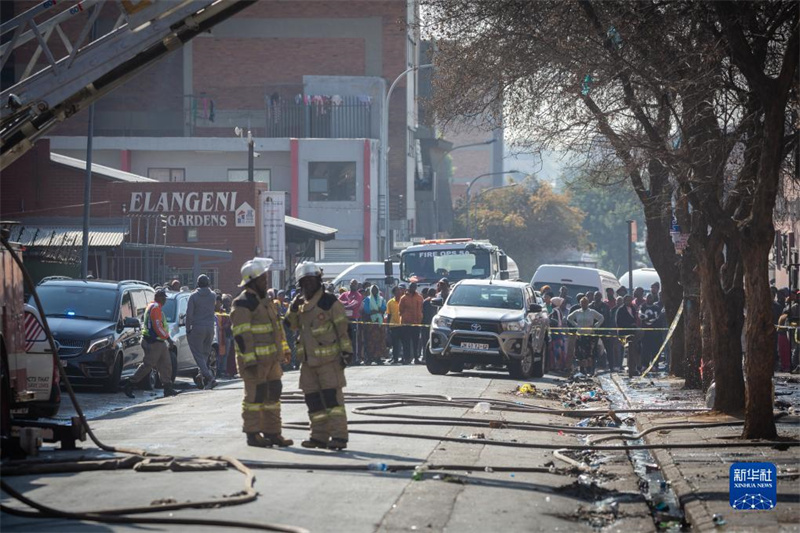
pixel 672 328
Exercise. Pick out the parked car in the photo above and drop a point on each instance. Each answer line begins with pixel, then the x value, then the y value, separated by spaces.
pixel 97 325
pixel 576 279
pixel 642 277
pixel 183 362
pixel 489 323
pixel 361 272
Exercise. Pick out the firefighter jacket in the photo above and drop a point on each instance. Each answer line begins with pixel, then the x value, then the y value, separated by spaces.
pixel 256 329
pixel 322 324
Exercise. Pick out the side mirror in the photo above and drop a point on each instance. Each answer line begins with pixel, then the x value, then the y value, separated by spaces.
pixel 535 308
pixel 182 320
pixel 437 302
pixel 388 269
pixel 503 262
pixel 131 322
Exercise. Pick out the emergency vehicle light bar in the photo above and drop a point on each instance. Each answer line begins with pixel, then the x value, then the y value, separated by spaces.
pixel 443 241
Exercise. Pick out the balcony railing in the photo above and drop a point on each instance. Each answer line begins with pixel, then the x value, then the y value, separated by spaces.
pixel 321 117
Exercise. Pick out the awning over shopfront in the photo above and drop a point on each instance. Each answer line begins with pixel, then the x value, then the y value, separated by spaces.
pixel 60 236
pixel 62 243
pixel 300 230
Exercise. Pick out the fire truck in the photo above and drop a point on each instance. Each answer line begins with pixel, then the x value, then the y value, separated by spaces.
pixel 455 259
pixel 83 70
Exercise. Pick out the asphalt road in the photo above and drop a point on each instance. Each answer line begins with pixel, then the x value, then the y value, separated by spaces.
pixel 203 423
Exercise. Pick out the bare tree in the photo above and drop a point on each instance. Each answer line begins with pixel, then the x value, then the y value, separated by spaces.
pixel 691 98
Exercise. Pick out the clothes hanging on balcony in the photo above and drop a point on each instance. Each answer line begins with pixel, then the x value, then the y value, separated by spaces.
pixel 274 107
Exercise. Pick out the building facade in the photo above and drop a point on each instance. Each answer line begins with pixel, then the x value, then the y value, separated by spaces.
pixel 293 74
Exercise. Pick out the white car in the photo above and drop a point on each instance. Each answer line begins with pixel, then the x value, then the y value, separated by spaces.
pixel 491 323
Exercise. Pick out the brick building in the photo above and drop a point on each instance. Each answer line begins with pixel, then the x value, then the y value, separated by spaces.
pixel 145 229
pixel 301 70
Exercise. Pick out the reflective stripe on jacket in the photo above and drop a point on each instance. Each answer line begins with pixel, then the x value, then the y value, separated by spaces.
pixel 322 324
pixel 256 329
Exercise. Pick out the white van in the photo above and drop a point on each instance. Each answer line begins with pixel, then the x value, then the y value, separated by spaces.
pixel 330 271
pixel 576 279
pixel 372 272
pixel 642 277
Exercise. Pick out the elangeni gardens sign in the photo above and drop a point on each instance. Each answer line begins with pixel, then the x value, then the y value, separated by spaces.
pixel 188 208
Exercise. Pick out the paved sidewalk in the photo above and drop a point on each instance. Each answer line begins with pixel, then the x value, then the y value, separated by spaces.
pixel 700 478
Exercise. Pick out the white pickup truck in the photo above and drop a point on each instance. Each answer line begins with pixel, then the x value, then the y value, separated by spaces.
pixel 489 322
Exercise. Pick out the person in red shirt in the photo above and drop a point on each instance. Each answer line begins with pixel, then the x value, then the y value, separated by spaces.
pixel 353 302
pixel 411 313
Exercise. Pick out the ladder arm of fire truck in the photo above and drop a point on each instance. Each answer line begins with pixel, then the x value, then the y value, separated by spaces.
pixel 38 102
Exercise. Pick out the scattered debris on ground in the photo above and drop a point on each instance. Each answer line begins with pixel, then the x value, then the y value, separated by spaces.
pixel 575 392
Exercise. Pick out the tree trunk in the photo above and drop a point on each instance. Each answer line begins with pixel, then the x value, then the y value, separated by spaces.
pixel 727 359
pixel 691 320
pixel 759 422
pixel 707 362
pixel 666 262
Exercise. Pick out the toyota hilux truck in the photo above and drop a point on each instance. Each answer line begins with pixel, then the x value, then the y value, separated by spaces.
pixel 489 322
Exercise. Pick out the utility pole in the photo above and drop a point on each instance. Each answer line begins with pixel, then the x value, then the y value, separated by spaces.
pixel 384 172
pixel 87 187
pixel 630 257
pixel 250 157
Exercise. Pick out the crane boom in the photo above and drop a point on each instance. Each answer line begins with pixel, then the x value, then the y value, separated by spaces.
pixel 144 32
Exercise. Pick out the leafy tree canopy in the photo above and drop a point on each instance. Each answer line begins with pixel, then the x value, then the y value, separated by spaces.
pixel 607 210
pixel 528 220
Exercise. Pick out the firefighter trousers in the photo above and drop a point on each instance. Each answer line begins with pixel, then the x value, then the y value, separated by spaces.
pixel 156 356
pixel 261 407
pixel 322 386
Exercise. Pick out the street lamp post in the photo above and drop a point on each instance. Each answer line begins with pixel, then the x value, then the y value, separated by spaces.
pixel 385 152
pixel 439 168
pixel 469 188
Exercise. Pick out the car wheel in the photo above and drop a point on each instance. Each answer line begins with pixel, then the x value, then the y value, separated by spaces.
pixel 149 383
pixel 539 368
pixel 112 383
pixel 456 366
pixel 437 367
pixel 212 363
pixel 522 368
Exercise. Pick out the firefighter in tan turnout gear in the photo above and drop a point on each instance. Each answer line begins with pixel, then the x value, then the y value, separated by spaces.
pixel 323 350
pixel 260 349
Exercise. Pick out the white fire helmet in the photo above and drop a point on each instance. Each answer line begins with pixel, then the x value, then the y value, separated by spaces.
pixel 305 269
pixel 254 268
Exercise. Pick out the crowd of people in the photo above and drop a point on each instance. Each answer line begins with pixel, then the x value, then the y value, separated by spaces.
pixel 394 328
pixel 632 329
pixel 393 331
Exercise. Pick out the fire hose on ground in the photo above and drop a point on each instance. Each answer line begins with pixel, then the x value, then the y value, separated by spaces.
pixel 248 494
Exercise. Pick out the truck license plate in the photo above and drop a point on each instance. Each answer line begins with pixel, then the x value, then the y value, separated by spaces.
pixel 474 346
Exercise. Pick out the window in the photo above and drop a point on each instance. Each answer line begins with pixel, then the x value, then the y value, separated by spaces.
pixel 486 296
pixel 167 174
pixel 191 235
pixel 78 301
pixel 332 181
pixel 260 175
pixel 125 308
pixel 140 301
pixel 453 264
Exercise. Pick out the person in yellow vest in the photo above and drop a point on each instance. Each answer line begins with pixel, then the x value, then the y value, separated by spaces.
pixel 323 349
pixel 155 338
pixel 260 350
